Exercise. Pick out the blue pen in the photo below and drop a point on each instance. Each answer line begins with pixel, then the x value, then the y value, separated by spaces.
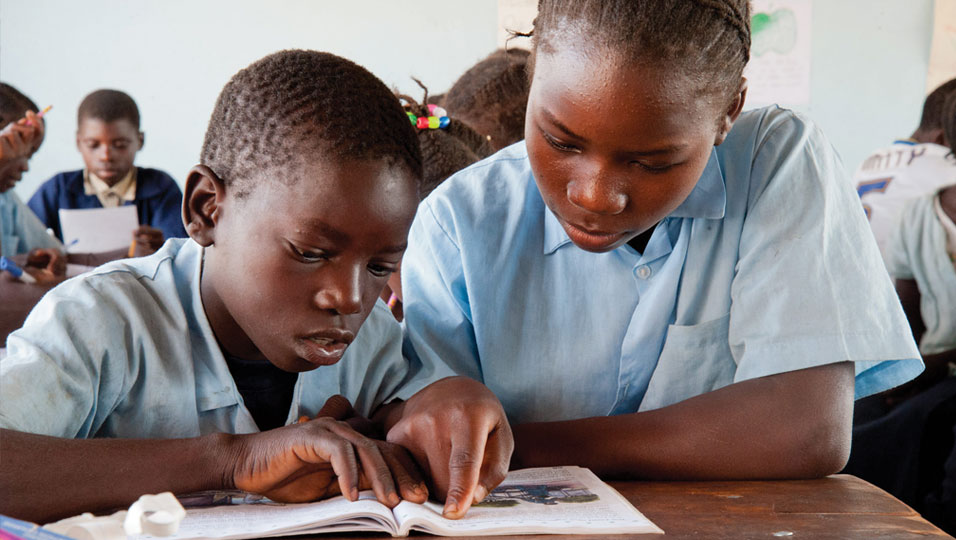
pixel 17 272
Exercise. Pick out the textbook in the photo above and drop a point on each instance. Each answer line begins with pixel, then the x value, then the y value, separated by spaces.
pixel 550 500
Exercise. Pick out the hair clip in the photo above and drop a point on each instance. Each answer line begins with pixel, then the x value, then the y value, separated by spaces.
pixel 430 122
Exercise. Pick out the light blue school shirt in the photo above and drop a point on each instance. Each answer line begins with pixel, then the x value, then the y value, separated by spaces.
pixel 917 250
pixel 768 266
pixel 127 351
pixel 20 230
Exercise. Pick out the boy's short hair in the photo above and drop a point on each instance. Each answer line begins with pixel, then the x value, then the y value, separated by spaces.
pixel 109 106
pixel 933 106
pixel 292 103
pixel 13 104
pixel 493 96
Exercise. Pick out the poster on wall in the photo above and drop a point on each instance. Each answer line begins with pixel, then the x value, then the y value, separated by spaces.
pixel 779 68
pixel 515 15
pixel 942 56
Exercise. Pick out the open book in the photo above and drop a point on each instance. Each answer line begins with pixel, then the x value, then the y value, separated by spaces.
pixel 555 500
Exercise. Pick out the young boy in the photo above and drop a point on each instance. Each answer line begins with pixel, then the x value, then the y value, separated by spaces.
pixel 21 134
pixel 184 366
pixel 108 136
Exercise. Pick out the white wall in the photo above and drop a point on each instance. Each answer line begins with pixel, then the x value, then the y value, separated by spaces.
pixel 868 76
pixel 174 56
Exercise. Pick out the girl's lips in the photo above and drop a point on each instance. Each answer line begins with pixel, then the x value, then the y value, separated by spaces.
pixel 596 241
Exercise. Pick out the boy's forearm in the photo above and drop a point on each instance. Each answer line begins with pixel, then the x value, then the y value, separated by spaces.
pixel 790 425
pixel 46 478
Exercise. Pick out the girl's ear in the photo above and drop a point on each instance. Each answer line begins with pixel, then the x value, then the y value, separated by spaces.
pixel 732 112
pixel 202 204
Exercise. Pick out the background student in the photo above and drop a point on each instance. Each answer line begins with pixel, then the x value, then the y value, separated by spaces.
pixel 656 284
pixel 177 371
pixel 908 168
pixel 904 439
pixel 108 137
pixel 492 96
pixel 21 134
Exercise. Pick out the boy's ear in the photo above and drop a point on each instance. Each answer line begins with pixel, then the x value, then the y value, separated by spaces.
pixel 142 139
pixel 202 204
pixel 732 113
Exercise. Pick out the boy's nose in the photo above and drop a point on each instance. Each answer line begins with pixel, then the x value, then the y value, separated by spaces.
pixel 341 294
pixel 596 194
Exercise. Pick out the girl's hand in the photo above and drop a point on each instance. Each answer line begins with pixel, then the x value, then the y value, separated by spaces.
pixel 458 433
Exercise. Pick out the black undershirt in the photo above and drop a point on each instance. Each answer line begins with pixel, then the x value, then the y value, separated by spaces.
pixel 639 242
pixel 265 389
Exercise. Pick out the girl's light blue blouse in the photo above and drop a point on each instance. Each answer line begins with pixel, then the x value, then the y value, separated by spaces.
pixel 768 266
pixel 127 351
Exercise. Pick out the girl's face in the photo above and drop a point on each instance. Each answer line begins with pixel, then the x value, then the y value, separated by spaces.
pixel 616 149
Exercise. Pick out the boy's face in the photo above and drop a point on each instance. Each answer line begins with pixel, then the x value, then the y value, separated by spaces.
pixel 297 264
pixel 108 148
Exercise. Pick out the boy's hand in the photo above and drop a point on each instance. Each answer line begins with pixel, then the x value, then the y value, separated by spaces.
pixel 148 240
pixel 49 260
pixel 458 433
pixel 321 458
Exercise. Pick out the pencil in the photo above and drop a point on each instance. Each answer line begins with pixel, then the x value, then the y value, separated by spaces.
pixel 132 250
pixel 41 113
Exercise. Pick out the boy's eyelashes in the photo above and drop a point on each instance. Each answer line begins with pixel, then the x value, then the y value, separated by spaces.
pixel 118 145
pixel 308 255
pixel 311 256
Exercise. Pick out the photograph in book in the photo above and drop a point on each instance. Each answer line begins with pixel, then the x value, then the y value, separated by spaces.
pixel 547 500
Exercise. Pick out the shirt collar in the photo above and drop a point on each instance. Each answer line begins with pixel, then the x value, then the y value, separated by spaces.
pixel 125 189
pixel 708 200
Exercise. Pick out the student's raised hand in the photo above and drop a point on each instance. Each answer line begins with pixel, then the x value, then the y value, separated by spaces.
pixel 458 433
pixel 321 458
pixel 148 240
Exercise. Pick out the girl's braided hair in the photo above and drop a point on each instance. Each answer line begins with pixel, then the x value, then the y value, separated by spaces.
pixel 447 150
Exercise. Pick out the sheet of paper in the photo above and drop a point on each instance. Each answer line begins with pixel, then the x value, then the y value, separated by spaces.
pixel 95 230
pixel 779 68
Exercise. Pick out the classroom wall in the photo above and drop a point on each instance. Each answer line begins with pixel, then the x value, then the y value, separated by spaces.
pixel 174 56
pixel 869 60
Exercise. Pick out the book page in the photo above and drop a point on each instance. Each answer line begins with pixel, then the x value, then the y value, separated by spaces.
pixel 259 517
pixel 536 501
pixel 95 230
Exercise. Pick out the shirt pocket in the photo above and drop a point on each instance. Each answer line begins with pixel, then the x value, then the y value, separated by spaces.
pixel 695 359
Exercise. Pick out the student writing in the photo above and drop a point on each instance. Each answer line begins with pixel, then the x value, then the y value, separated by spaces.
pixel 654 283
pixel 176 371
pixel 108 137
pixel 21 134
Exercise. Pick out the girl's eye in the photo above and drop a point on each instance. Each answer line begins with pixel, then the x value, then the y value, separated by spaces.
pixel 309 256
pixel 653 168
pixel 558 145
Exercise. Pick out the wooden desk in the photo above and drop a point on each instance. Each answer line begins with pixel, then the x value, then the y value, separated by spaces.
pixel 838 507
pixel 16 301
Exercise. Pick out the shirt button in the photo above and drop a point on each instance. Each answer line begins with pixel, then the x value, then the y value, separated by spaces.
pixel 643 272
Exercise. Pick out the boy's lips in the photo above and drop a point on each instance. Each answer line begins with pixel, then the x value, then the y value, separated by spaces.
pixel 326 347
